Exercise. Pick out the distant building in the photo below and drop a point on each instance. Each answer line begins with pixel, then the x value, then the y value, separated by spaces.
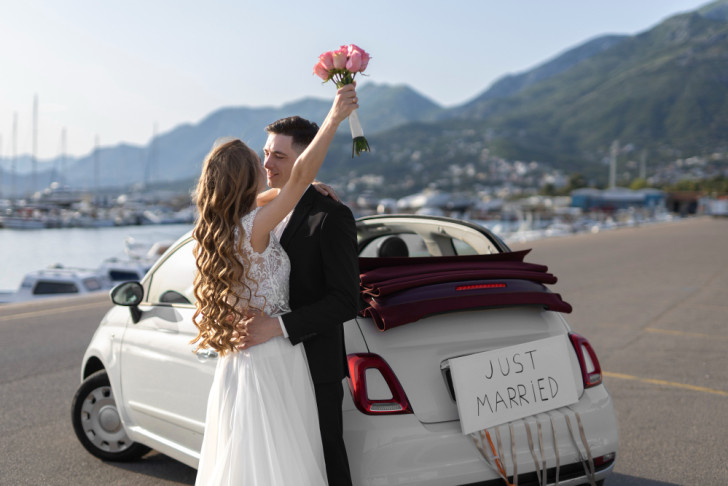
pixel 589 199
pixel 685 202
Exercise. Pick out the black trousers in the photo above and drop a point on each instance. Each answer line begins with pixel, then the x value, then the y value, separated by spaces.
pixel 329 397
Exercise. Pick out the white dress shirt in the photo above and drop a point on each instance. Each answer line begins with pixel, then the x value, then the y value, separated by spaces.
pixel 278 232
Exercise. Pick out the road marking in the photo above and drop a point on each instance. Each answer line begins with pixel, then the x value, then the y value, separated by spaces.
pixel 665 383
pixel 54 310
pixel 687 334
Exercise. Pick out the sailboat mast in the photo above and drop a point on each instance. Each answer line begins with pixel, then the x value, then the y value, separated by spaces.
pixel 62 176
pixel 34 159
pixel 14 160
pixel 96 167
pixel 151 158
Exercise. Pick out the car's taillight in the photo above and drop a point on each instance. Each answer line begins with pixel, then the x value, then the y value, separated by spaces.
pixel 591 371
pixel 366 372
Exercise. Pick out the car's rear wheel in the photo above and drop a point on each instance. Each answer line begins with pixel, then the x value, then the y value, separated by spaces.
pixel 97 423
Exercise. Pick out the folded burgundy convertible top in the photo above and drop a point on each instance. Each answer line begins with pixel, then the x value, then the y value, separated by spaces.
pixel 398 291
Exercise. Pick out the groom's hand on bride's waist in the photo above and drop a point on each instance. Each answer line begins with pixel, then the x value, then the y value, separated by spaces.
pixel 256 330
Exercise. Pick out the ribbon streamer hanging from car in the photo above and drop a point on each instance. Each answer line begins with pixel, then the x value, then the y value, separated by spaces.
pixel 495 458
pixel 483 442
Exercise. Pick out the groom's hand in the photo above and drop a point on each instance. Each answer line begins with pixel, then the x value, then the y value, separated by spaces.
pixel 257 330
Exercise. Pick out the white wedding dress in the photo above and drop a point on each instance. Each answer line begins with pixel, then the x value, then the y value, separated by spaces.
pixel 262 422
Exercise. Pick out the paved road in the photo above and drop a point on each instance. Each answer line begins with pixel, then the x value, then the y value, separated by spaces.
pixel 42 348
pixel 652 300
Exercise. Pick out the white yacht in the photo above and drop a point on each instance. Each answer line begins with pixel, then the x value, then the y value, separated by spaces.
pixel 140 258
pixel 57 281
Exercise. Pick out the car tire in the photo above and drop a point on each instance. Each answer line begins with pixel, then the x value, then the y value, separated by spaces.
pixel 97 423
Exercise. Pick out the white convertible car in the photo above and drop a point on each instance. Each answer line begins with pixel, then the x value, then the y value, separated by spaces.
pixel 463 369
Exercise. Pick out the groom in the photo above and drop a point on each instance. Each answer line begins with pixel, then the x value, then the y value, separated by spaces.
pixel 319 236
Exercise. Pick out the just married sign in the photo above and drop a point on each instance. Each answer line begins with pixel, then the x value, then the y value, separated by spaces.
pixel 507 384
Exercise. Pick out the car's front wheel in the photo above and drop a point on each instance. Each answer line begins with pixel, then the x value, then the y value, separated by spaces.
pixel 97 423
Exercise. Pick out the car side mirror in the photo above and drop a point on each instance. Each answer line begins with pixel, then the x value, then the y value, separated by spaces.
pixel 129 294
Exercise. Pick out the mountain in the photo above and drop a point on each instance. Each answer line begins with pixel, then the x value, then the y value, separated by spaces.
pixel 717 10
pixel 663 92
pixel 511 84
pixel 178 154
pixel 383 107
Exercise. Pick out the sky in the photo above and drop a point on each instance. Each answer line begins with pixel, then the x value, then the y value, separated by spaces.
pixel 114 72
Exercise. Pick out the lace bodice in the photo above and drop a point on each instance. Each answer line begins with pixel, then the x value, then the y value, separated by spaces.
pixel 268 274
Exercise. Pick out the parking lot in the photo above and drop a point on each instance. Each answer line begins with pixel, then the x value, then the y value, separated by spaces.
pixel 652 300
pixel 654 303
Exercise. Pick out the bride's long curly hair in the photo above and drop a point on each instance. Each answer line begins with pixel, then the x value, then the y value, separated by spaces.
pixel 226 192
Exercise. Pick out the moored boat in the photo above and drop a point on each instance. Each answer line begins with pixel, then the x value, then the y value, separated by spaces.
pixel 56 281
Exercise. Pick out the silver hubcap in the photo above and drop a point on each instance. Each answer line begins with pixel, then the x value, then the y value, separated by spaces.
pixel 101 421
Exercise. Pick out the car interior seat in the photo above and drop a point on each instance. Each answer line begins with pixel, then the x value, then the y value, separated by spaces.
pixel 394 246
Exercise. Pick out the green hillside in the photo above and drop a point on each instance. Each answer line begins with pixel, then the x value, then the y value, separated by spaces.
pixel 665 91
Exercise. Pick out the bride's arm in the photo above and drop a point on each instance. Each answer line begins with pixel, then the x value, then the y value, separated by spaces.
pixel 304 169
pixel 266 196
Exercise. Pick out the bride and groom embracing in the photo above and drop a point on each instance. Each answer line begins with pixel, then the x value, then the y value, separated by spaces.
pixel 277 275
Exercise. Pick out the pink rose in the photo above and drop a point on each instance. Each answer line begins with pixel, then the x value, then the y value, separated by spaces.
pixel 327 59
pixel 353 48
pixel 354 63
pixel 364 61
pixel 340 58
pixel 320 70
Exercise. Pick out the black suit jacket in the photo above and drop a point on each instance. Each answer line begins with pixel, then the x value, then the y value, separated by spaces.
pixel 320 240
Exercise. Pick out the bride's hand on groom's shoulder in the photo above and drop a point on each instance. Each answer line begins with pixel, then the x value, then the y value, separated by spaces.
pixel 326 190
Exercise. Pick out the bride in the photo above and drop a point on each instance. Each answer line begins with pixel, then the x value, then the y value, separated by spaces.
pixel 262 424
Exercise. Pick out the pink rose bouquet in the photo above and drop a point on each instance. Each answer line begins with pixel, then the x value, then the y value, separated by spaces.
pixel 342 66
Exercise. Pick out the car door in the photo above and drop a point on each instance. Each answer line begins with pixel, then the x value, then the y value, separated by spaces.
pixel 164 382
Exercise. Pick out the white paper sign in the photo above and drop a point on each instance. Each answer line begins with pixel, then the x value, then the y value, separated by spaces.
pixel 507 384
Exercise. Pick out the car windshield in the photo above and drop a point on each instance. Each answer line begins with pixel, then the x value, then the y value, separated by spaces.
pixel 415 236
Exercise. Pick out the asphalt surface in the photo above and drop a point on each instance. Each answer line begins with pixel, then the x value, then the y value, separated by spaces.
pixel 652 300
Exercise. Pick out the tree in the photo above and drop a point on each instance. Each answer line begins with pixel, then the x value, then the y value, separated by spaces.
pixel 638 183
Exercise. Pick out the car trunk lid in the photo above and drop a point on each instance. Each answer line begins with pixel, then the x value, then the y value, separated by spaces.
pixel 419 352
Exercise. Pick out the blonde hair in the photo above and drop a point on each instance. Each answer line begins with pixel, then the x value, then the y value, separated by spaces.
pixel 226 191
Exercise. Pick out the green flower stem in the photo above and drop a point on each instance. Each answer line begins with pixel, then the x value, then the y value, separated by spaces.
pixel 359 145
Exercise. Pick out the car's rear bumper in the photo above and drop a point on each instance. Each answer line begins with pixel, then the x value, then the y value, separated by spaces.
pixel 400 450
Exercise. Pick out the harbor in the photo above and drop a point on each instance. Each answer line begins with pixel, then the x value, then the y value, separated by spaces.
pixel 89 241
pixel 26 251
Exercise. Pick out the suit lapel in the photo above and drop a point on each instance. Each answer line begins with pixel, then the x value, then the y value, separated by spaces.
pixel 298 216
